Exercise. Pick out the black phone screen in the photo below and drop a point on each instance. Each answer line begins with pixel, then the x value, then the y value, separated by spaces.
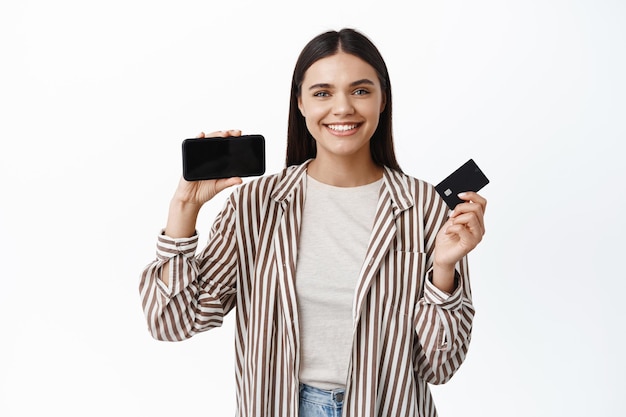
pixel 212 158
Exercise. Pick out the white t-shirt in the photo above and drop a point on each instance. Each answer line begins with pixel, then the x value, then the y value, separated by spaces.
pixel 336 226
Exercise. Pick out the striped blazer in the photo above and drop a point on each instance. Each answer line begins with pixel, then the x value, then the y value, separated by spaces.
pixel 406 334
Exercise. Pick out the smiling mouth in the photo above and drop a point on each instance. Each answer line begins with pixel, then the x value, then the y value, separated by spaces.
pixel 342 127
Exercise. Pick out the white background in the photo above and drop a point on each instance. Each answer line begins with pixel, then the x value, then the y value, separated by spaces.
pixel 95 98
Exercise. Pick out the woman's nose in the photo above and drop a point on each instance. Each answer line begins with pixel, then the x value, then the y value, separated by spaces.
pixel 342 105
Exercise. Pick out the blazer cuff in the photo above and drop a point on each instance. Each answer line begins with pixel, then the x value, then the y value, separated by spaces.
pixel 433 295
pixel 169 247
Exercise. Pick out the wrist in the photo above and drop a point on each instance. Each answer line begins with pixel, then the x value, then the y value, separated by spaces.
pixel 184 206
pixel 181 221
pixel 443 277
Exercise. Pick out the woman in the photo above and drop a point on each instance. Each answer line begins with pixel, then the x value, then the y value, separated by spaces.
pixel 348 278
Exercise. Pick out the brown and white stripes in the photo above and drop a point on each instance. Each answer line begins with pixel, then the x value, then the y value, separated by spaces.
pixel 407 333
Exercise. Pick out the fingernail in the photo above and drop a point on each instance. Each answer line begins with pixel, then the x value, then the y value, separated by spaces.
pixel 461 195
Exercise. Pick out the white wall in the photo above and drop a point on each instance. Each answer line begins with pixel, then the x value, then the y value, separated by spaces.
pixel 95 98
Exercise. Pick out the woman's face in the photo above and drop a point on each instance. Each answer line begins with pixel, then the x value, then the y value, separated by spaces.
pixel 341 99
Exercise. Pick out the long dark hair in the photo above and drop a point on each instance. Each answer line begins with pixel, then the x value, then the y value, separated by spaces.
pixel 300 143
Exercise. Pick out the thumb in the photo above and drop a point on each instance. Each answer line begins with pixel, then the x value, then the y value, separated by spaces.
pixel 227 182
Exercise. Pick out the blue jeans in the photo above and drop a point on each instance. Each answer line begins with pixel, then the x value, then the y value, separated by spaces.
pixel 315 402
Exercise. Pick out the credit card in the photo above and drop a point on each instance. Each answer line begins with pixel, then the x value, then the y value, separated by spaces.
pixel 468 177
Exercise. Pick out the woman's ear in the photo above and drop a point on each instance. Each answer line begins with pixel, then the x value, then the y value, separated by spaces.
pixel 383 103
pixel 300 107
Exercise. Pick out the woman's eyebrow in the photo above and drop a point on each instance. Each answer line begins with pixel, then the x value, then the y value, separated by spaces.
pixel 320 85
pixel 362 81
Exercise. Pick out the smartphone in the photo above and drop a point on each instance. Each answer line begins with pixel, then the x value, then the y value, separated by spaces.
pixel 468 177
pixel 233 156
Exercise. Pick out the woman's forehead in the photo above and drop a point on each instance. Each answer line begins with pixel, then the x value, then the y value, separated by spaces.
pixel 339 68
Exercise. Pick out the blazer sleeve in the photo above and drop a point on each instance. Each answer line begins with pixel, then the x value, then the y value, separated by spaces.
pixel 202 287
pixel 443 321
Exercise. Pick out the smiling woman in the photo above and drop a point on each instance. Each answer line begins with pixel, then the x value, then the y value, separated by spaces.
pixel 349 277
pixel 341 101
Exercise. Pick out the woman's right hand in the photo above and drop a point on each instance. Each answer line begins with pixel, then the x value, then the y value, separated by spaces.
pixel 196 193
pixel 191 195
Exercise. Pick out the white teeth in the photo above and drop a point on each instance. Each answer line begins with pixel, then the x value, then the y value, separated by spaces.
pixel 341 128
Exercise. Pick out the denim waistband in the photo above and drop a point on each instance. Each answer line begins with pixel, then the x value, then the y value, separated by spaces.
pixel 332 397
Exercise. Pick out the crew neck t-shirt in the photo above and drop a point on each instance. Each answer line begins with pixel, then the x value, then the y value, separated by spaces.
pixel 335 231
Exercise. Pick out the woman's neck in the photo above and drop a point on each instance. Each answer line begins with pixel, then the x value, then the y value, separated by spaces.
pixel 344 172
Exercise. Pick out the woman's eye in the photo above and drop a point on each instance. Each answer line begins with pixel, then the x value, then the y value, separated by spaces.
pixel 361 92
pixel 321 94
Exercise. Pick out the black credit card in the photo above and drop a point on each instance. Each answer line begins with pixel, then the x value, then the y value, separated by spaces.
pixel 468 177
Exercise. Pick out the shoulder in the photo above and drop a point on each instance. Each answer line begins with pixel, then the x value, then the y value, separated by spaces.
pixel 410 186
pixel 415 182
pixel 416 196
pixel 267 187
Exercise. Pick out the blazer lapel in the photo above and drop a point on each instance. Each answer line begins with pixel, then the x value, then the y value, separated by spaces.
pixel 393 199
pixel 290 194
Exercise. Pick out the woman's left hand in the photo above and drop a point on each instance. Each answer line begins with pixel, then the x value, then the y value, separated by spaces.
pixel 462 232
